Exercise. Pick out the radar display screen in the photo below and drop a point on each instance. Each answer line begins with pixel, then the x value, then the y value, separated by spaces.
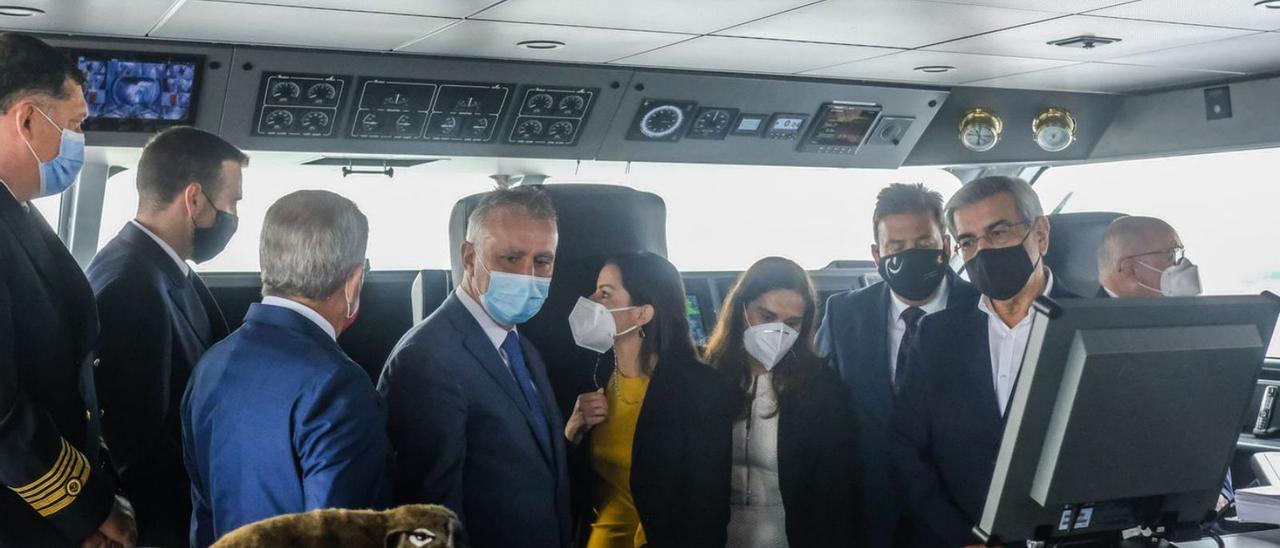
pixel 840 128
pixel 129 91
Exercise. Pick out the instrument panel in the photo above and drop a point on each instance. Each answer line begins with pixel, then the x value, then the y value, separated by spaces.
pixel 299 105
pixel 661 120
pixel 552 116
pixel 429 110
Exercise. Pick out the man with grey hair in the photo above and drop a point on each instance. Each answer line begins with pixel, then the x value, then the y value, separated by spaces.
pixel 277 419
pixel 488 448
pixel 964 361
pixel 1144 257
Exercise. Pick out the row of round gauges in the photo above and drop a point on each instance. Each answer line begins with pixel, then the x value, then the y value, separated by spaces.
pixel 661 120
pixel 313 121
pixel 534 129
pixel 291 92
pixel 569 105
pixel 409 125
pixel 1053 130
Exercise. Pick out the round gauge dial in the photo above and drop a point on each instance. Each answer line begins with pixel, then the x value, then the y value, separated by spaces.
pixel 396 100
pixel 561 131
pixel 404 124
pixel 571 105
pixel 315 121
pixel 449 125
pixel 468 103
pixel 980 130
pixel 1054 130
pixel 661 122
pixel 370 123
pixel 322 93
pixel 285 91
pixel 540 102
pixel 529 129
pixel 279 119
pixel 712 122
pixel 479 126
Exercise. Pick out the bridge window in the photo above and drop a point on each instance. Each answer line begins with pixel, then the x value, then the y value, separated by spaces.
pixel 1223 206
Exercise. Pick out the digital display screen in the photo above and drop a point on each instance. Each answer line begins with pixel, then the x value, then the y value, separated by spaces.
pixel 749 124
pixel 787 124
pixel 138 91
pixel 696 329
pixel 842 125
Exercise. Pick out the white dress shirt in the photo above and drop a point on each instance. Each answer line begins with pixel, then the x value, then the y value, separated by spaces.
pixel 757 518
pixel 496 333
pixel 182 265
pixel 1008 344
pixel 898 326
pixel 306 312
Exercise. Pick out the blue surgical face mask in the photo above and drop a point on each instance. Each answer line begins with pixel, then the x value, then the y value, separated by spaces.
pixel 513 298
pixel 58 174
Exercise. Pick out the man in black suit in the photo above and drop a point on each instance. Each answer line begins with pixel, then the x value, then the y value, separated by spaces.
pixel 866 334
pixel 472 416
pixel 158 317
pixel 964 363
pixel 58 490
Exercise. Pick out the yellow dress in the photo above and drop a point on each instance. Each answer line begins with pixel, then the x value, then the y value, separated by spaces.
pixel 617 523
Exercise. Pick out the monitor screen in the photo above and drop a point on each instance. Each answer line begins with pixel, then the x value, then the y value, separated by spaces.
pixel 139 91
pixel 696 327
pixel 843 125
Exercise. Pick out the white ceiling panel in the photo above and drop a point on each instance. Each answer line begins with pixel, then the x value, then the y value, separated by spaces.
pixel 1223 13
pixel 1101 77
pixel 1248 54
pixel 437 8
pixel 752 55
pixel 699 17
pixel 582 44
pixel 889 23
pixel 1136 37
pixel 113 18
pixel 900 67
pixel 226 22
pixel 1055 6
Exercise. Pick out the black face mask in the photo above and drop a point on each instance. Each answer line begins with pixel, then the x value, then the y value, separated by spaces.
pixel 1002 272
pixel 209 242
pixel 914 274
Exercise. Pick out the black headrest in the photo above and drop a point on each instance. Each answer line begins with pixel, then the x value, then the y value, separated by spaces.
pixel 595 223
pixel 1073 249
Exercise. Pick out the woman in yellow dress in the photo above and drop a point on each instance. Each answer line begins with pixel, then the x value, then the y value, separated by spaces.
pixel 654 440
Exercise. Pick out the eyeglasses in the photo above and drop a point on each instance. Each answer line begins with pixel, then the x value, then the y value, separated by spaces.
pixel 1173 255
pixel 1003 234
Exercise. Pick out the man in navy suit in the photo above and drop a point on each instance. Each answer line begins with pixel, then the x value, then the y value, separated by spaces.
pixel 867 332
pixel 158 317
pixel 472 416
pixel 277 419
pixel 964 363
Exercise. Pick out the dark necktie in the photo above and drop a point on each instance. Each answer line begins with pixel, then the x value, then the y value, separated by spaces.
pixel 199 318
pixel 511 345
pixel 911 317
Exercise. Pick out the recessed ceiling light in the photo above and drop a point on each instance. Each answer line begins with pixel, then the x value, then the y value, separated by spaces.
pixel 935 69
pixel 1267 4
pixel 541 44
pixel 20 11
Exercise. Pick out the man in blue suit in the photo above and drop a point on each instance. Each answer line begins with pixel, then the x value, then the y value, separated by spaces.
pixel 277 419
pixel 866 334
pixel 472 416
pixel 964 362
pixel 158 317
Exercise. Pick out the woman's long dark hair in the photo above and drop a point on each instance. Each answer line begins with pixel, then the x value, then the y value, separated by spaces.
pixel 654 281
pixel 725 351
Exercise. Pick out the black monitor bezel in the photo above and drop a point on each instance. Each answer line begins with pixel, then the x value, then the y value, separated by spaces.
pixel 134 125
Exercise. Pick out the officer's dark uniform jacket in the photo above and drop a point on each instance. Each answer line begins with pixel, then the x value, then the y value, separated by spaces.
pixel 56 489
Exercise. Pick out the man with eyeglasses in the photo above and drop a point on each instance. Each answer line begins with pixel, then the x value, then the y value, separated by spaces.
pixel 1144 257
pixel 964 362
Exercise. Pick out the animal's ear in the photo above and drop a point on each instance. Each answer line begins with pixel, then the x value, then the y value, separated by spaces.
pixel 457 534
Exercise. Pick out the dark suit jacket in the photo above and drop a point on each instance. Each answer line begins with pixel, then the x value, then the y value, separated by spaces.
pixel 680 457
pixel 857 328
pixel 278 420
pixel 150 342
pixel 48 408
pixel 463 434
pixel 947 425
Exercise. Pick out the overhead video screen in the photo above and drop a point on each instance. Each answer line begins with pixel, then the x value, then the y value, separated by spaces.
pixel 139 91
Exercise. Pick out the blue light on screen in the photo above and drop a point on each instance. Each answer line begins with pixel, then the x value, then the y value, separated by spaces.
pixel 126 89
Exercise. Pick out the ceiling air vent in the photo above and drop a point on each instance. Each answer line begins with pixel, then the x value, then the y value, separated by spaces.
pixel 1084 42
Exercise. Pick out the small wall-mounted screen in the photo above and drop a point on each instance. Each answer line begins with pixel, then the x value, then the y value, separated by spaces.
pixel 129 91
pixel 841 127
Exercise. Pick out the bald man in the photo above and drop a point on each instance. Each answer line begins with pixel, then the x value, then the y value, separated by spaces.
pixel 1144 257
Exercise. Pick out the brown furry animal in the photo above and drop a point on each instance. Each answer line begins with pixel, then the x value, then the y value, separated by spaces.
pixel 411 526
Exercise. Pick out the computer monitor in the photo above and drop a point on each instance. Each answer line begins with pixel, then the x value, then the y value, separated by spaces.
pixel 1126 413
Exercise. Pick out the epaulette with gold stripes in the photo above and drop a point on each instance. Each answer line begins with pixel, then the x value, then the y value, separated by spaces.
pixel 60 486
